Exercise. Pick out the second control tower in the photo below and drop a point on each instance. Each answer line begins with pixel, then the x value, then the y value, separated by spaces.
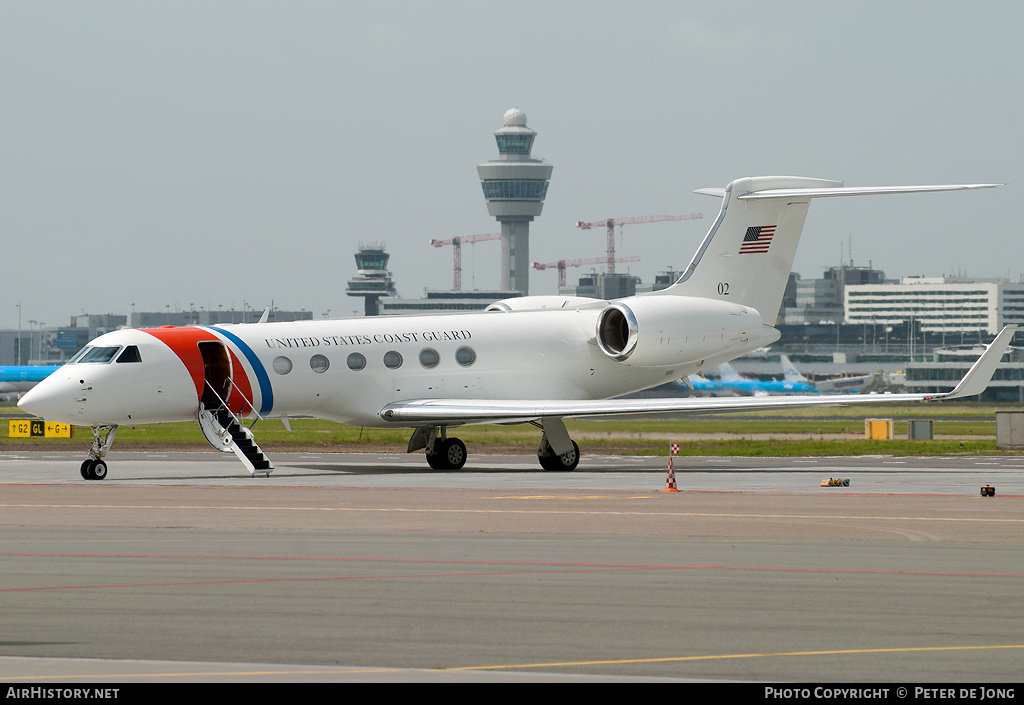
pixel 515 185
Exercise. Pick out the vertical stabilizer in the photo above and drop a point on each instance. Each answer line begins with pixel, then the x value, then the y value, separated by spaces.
pixel 728 374
pixel 790 373
pixel 748 254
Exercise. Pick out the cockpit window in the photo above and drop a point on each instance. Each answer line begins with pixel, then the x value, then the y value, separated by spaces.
pixel 130 354
pixel 97 354
pixel 78 355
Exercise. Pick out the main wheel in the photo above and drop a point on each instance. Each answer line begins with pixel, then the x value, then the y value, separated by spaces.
pixel 566 462
pixel 450 455
pixel 436 461
pixel 87 469
pixel 453 451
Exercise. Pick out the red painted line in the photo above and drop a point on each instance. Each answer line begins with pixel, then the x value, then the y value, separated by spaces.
pixel 324 579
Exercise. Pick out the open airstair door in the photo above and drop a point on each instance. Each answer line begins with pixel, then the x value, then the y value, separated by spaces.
pixel 217 371
pixel 220 426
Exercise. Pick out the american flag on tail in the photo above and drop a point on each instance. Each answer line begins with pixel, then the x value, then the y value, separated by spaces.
pixel 757 239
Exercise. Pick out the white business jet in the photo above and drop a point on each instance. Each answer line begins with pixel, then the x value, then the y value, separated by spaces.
pixel 536 359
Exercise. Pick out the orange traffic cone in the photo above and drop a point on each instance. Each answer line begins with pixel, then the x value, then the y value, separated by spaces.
pixel 670 482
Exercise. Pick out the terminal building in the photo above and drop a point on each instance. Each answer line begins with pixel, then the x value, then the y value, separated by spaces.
pixel 947 367
pixel 204 317
pixel 53 346
pixel 945 306
pixel 816 300
pixel 444 302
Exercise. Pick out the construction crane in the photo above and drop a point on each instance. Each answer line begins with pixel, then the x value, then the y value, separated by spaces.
pixel 456 243
pixel 563 263
pixel 610 223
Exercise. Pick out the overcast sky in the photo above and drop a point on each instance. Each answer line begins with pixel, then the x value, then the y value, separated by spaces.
pixel 209 153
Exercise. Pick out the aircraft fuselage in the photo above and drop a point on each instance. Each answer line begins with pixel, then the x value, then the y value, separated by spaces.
pixel 346 370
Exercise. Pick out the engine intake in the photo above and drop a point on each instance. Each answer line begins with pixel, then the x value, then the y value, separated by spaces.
pixel 656 331
pixel 617 331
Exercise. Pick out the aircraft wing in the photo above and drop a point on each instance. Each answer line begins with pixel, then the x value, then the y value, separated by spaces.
pixel 451 412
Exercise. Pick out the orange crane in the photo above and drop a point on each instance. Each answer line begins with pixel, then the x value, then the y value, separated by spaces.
pixel 563 263
pixel 610 223
pixel 456 243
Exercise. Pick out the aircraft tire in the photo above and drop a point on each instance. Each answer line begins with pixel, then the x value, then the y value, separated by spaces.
pixel 453 452
pixel 98 469
pixel 87 469
pixel 566 462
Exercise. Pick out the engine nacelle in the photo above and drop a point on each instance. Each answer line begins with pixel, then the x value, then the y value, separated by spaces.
pixel 541 303
pixel 657 331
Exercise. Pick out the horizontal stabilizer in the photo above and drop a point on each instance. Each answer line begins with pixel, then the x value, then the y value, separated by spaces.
pixel 716 192
pixel 857 191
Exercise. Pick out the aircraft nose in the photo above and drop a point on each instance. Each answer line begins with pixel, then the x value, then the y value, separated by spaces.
pixel 50 400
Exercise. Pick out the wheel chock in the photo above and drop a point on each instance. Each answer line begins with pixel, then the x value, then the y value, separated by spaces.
pixel 988 491
pixel 836 482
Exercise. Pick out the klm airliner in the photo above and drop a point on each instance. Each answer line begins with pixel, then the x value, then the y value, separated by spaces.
pixel 21 378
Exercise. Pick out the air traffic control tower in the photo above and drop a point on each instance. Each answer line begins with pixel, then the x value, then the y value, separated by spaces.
pixel 373 280
pixel 515 185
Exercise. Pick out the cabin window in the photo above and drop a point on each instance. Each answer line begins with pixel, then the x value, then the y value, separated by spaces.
pixel 465 356
pixel 282 365
pixel 356 361
pixel 130 354
pixel 319 364
pixel 429 358
pixel 392 359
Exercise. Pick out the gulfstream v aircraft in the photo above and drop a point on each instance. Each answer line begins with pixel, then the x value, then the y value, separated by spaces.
pixel 537 359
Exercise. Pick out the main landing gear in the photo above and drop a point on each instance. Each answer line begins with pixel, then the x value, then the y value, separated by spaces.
pixel 552 462
pixel 94 467
pixel 449 454
pixel 445 453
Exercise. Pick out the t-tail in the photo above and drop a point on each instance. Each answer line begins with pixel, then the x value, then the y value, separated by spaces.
pixel 748 253
pixel 790 373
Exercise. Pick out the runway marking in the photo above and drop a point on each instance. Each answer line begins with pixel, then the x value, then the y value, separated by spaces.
pixel 497 667
pixel 566 568
pixel 712 657
pixel 428 510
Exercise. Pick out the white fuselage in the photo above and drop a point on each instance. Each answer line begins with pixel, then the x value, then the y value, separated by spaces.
pixel 347 370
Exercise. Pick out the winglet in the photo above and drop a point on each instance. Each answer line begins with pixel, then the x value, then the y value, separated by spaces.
pixel 979 376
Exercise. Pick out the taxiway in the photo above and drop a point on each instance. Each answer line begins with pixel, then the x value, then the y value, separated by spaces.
pixel 344 567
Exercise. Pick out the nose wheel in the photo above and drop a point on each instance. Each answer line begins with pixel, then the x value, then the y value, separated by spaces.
pixel 95 467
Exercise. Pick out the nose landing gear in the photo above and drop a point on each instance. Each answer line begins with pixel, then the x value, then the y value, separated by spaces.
pixel 94 467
